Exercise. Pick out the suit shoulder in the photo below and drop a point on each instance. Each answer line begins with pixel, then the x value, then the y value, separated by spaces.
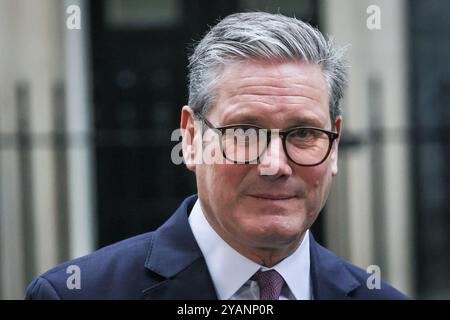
pixel 41 289
pixel 124 251
pixel 120 265
pixel 363 292
pixel 384 292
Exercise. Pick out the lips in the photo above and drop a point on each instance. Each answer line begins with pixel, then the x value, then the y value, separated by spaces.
pixel 273 196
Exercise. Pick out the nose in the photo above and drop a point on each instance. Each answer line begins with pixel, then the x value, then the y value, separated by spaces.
pixel 274 161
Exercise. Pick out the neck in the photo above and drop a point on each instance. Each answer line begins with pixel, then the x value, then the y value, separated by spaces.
pixel 264 255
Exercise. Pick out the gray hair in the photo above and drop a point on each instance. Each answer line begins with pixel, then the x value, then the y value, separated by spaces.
pixel 260 35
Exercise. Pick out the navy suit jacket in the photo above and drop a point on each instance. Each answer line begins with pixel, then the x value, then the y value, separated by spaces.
pixel 168 264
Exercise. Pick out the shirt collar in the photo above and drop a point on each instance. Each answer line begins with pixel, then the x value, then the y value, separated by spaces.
pixel 230 270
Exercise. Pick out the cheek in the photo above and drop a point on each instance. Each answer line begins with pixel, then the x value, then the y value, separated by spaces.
pixel 219 186
pixel 317 180
pixel 315 177
pixel 225 179
pixel 232 173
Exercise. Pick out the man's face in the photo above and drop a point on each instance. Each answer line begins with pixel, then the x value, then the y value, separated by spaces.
pixel 245 206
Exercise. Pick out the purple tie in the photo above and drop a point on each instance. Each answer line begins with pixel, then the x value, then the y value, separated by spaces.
pixel 270 284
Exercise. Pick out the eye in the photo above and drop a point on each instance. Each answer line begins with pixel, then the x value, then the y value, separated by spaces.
pixel 303 133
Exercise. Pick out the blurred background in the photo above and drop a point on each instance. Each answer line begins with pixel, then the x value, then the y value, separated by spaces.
pixel 86 117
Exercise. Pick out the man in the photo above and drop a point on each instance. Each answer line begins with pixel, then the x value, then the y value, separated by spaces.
pixel 265 92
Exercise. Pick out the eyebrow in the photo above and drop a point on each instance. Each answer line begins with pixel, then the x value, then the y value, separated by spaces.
pixel 259 121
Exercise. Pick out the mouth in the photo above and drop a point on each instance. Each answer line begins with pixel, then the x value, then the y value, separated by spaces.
pixel 273 196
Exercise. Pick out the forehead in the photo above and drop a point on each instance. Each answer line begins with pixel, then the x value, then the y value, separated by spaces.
pixel 276 91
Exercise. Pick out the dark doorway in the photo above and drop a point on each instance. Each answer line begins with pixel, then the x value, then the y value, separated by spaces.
pixel 429 51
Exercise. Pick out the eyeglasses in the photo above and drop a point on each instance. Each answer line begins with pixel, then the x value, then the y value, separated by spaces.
pixel 245 144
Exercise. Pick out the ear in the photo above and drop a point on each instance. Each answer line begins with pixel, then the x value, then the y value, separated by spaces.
pixel 188 132
pixel 334 150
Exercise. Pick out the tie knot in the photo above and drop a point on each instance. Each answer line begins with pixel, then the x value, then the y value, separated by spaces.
pixel 270 284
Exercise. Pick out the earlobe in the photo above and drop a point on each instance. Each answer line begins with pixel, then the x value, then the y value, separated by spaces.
pixel 334 165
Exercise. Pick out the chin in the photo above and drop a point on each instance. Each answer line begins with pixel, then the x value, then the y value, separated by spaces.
pixel 289 207
pixel 274 235
pixel 275 241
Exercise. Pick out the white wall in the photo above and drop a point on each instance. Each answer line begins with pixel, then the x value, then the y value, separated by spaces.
pixel 38 52
pixel 378 56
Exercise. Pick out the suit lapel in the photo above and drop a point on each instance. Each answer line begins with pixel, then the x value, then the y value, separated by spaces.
pixel 194 282
pixel 175 256
pixel 331 280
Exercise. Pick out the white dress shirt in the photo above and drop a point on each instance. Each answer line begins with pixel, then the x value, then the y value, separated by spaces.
pixel 231 272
